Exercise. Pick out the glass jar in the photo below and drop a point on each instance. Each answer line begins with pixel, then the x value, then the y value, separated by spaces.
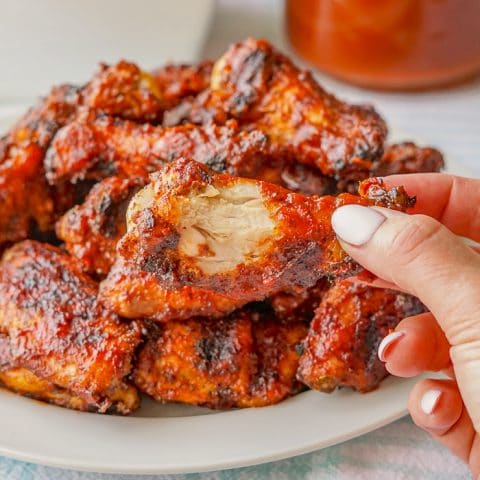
pixel 393 44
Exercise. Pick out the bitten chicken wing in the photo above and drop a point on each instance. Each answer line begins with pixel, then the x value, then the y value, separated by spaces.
pixel 91 230
pixel 407 157
pixel 59 333
pixel 341 347
pixel 263 90
pixel 242 360
pixel 202 243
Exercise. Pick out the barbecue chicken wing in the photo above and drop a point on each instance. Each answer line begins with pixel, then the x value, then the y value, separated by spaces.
pixel 124 90
pixel 91 230
pixel 103 146
pixel 24 382
pixel 341 347
pixel 59 336
pixel 407 157
pixel 263 90
pixel 244 360
pixel 25 198
pixel 202 243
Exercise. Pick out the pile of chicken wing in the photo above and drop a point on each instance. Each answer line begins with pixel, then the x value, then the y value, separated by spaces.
pixel 168 233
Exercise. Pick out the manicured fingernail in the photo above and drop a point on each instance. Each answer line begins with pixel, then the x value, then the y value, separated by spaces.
pixel 356 224
pixel 390 339
pixel 430 400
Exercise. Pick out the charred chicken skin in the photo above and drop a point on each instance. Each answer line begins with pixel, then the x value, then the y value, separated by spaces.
pixel 242 360
pixel 341 347
pixel 202 243
pixel 54 329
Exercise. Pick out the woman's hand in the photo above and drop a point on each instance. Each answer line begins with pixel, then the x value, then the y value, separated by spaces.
pixel 422 255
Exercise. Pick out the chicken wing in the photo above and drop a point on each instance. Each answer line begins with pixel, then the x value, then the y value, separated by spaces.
pixel 98 147
pixel 238 361
pixel 91 230
pixel 407 157
pixel 124 90
pixel 263 90
pixel 59 333
pixel 341 347
pixel 25 197
pixel 202 243
pixel 24 382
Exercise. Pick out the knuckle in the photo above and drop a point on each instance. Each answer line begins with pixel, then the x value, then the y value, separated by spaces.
pixel 411 237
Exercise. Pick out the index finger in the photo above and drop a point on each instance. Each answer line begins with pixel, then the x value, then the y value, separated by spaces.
pixel 453 201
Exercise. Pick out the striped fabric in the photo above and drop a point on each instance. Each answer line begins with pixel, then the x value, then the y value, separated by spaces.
pixel 399 451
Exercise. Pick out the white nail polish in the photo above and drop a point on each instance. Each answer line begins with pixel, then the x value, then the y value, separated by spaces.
pixel 356 224
pixel 386 342
pixel 430 400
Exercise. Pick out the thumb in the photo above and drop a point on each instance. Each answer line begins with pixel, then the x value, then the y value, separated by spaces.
pixel 423 257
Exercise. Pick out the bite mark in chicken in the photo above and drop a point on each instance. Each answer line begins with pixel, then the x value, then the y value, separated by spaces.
pixel 185 255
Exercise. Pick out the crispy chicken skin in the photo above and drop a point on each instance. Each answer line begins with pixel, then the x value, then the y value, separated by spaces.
pixel 244 360
pixel 407 157
pixel 263 90
pixel 60 333
pixel 202 243
pixel 91 230
pixel 341 347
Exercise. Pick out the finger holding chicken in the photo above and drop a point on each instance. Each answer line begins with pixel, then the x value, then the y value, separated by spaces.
pixel 202 243
pixel 55 330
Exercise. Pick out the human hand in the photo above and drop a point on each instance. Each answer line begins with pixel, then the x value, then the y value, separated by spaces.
pixel 422 255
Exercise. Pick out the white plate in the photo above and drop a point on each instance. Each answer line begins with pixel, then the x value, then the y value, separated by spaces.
pixel 181 439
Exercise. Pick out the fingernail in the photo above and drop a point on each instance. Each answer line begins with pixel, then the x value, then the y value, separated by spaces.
pixel 386 342
pixel 430 400
pixel 356 224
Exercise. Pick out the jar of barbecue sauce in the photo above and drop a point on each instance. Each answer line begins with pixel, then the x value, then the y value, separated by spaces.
pixel 390 44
